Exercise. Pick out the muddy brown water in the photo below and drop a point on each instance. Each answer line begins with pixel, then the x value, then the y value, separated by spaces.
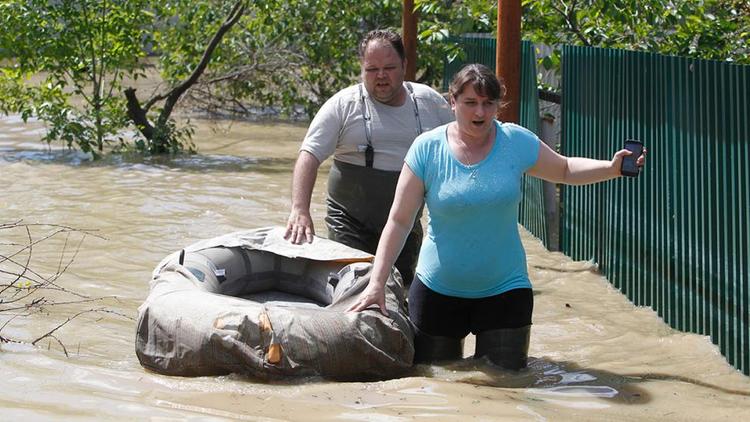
pixel 594 355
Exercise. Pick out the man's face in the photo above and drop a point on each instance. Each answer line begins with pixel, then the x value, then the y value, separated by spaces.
pixel 383 73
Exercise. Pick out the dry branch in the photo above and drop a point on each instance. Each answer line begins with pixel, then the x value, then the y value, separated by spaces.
pixel 23 284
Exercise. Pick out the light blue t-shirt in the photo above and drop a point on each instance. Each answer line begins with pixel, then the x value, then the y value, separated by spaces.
pixel 472 248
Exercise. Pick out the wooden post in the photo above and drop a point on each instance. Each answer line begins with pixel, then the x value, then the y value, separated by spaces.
pixel 508 57
pixel 549 190
pixel 409 35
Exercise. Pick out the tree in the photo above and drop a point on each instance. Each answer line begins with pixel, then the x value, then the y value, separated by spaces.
pixel 163 136
pixel 440 23
pixel 707 29
pixel 284 54
pixel 64 63
pixel 299 52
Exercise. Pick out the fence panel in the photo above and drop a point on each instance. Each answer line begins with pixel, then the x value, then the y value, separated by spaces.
pixel 676 237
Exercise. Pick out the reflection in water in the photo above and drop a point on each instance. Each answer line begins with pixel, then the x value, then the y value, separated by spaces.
pixel 195 162
pixel 594 356
pixel 43 156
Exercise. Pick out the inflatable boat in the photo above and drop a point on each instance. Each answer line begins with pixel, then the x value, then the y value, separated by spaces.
pixel 252 303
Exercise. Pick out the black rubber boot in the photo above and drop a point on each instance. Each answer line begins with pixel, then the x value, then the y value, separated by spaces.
pixel 428 349
pixel 505 347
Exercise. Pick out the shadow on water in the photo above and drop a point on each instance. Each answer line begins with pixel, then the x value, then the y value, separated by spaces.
pixel 547 377
pixel 183 162
pixel 550 378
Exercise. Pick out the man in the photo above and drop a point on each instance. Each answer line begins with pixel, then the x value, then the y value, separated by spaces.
pixel 367 128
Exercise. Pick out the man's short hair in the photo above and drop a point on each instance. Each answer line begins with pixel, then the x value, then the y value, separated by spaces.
pixel 383 35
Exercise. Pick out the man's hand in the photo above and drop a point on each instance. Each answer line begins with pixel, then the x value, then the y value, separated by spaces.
pixel 299 227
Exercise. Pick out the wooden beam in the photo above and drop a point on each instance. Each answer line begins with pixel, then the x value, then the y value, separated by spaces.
pixel 508 57
pixel 409 35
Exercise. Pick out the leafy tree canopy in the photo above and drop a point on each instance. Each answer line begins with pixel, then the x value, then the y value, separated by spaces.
pixel 78 53
pixel 68 62
pixel 299 52
pixel 283 53
pixel 706 29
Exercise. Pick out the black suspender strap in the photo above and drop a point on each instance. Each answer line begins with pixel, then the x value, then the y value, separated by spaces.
pixel 367 117
pixel 369 151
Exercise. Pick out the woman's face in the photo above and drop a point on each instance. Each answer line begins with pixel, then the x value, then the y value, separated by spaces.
pixel 474 112
pixel 383 72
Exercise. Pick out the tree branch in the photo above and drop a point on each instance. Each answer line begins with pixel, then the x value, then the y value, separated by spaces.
pixel 24 299
pixel 569 15
pixel 138 113
pixel 237 11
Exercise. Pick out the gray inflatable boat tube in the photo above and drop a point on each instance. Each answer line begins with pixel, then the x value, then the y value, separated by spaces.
pixel 252 303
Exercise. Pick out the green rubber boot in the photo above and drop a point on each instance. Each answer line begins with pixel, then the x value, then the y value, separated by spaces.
pixel 428 349
pixel 505 347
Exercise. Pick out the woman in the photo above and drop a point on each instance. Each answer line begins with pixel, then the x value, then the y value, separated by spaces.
pixel 471 274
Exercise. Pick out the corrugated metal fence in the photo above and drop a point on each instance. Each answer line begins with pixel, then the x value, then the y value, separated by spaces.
pixel 675 238
pixel 482 50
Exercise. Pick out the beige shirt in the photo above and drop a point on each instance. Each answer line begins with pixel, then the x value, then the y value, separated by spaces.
pixel 338 128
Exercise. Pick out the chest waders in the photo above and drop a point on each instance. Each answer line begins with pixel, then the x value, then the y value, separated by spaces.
pixel 360 198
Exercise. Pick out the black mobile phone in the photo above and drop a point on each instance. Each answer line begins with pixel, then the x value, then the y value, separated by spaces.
pixel 629 166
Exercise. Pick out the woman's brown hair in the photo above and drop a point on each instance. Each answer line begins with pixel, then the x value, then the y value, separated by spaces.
pixel 481 78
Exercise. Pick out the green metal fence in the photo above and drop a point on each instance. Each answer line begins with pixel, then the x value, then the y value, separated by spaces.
pixel 476 49
pixel 531 212
pixel 677 237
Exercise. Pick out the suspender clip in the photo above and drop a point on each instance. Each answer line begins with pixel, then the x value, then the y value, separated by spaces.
pixel 368 149
pixel 369 155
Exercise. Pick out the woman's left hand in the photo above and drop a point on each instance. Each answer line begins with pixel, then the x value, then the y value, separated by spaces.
pixel 374 294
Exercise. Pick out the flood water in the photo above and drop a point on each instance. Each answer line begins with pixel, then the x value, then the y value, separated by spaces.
pixel 594 356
